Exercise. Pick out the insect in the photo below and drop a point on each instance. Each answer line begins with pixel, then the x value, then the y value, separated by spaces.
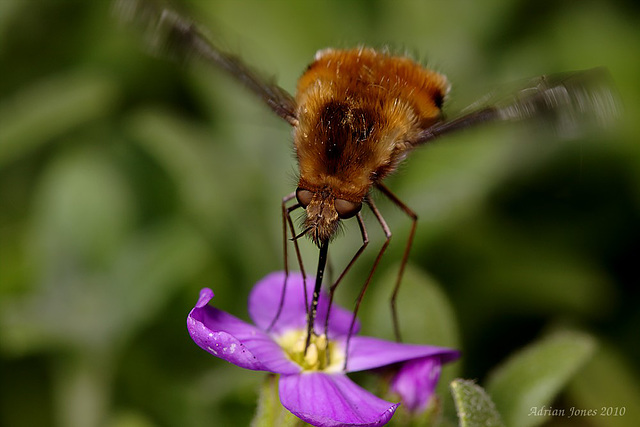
pixel 356 115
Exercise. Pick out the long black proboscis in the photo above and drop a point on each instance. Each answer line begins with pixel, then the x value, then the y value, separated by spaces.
pixel 311 316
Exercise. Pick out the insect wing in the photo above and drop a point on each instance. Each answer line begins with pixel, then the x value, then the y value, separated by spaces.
pixel 170 34
pixel 567 103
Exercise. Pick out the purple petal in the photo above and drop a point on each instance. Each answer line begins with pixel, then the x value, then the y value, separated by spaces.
pixel 265 300
pixel 332 400
pixel 234 340
pixel 368 353
pixel 416 382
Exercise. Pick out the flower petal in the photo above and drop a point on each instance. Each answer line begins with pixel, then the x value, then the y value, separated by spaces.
pixel 234 340
pixel 265 300
pixel 332 400
pixel 416 382
pixel 368 353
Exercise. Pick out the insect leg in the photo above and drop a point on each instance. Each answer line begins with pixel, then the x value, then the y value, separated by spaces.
pixel 405 256
pixel 387 233
pixel 287 221
pixel 365 242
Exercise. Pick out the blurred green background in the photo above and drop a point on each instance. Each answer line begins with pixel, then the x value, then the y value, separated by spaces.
pixel 127 183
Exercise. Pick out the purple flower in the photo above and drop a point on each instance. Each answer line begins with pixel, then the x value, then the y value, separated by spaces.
pixel 313 385
pixel 416 381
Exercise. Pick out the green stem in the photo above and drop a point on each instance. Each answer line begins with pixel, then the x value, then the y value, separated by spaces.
pixel 270 412
pixel 82 387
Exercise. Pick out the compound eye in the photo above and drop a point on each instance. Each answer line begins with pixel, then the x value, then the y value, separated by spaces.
pixel 347 209
pixel 304 197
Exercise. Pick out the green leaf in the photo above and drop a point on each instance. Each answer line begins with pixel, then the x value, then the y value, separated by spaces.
pixel 424 311
pixel 129 418
pixel 82 211
pixel 114 304
pixel 530 379
pixel 473 404
pixel 181 148
pixel 608 385
pixel 45 110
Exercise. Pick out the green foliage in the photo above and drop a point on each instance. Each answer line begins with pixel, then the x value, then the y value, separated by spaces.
pixel 605 385
pixel 532 378
pixel 474 406
pixel 418 293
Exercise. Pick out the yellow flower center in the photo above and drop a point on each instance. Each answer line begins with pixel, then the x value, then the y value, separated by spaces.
pixel 321 355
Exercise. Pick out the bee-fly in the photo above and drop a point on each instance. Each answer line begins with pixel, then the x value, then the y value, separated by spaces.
pixel 357 113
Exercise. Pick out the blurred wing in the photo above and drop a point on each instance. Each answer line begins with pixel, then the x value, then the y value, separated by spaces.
pixel 566 103
pixel 171 34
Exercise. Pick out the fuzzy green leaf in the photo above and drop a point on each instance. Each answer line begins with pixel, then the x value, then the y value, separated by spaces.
pixel 473 404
